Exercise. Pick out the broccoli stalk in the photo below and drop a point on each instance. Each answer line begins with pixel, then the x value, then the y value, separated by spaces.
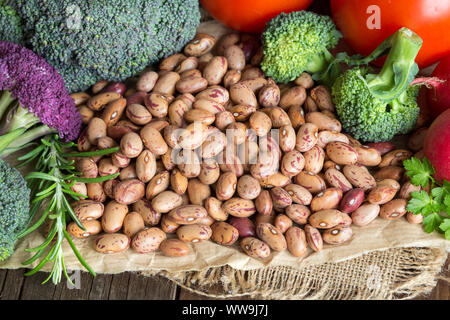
pixel 375 107
pixel 34 101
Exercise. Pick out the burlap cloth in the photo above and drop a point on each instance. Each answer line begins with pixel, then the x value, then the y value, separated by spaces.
pixel 384 260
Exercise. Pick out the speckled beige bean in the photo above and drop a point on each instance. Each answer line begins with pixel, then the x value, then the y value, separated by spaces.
pixel 235 57
pixel 414 218
pixel 132 224
pixel 131 145
pixel 210 171
pixel 169 63
pixel 382 194
pixel 287 138
pixel 278 116
pixel 359 176
pixel 194 233
pixel 296 241
pixel 174 248
pixel 187 64
pixel 157 103
pixel 269 96
pixel 263 203
pixel 166 83
pixel 95 191
pixel 214 208
pixel 260 123
pixel 314 183
pixel 98 101
pixel 395 158
pixel 95 130
pixel 191 84
pixel 293 96
pixel 337 235
pixel 239 207
pixel 215 70
pixel 159 183
pixel 326 219
pixel 314 159
pixel 307 137
pixel 92 227
pixel 280 198
pixel 113 216
pixel 394 209
pixel 255 248
pixel 217 94
pixel 197 191
pixel 201 44
pixel 322 97
pixel 128 172
pixel 299 194
pixel 166 201
pixel 213 145
pixel 365 214
pixel 272 236
pixel 337 179
pixel 113 111
pixel 241 94
pixel 292 163
pixel 148 240
pixel 314 238
pixel 367 156
pixel 192 136
pixel 298 213
pixel 187 214
pixel 326 137
pixel 129 191
pixel 168 225
pixel 341 153
pixel 87 210
pixel 328 199
pixel 283 222
pixel 224 233
pixel 406 190
pixel 323 122
pixel 147 81
pixel 389 172
pixel 275 180
pixel 248 187
pixel 112 243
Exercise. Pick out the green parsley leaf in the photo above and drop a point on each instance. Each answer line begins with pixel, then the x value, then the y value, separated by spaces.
pixel 445 227
pixel 420 203
pixel 432 222
pixel 420 172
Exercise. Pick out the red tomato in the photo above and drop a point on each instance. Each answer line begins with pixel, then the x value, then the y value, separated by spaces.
pixel 250 15
pixel 430 19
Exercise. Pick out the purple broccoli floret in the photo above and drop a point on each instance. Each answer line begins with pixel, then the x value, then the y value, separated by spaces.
pixel 34 100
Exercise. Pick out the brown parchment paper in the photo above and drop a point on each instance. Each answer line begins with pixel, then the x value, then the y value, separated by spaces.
pixel 380 236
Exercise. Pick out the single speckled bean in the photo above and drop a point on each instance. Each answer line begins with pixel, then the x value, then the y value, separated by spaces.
pixel 367 156
pixel 248 187
pixel 129 191
pixel 132 224
pixel 224 233
pixel 337 235
pixel 389 172
pixel 166 201
pixel 92 227
pixel 314 159
pixel 326 219
pixel 395 158
pixel 174 248
pixel 341 153
pixel 359 176
pixel 296 241
pixel 148 240
pixel 307 137
pixel 298 213
pixel 272 236
pixel 314 183
pixel 292 163
pixel 407 189
pixel 150 216
pixel 323 122
pixel 263 203
pixel 112 243
pixel 365 214
pixel 283 222
pixel 314 238
pixel 327 199
pixel 255 248
pixel 86 210
pixel 239 207
pixel 131 145
pixel 414 218
pixel 113 216
pixel 194 233
pixel 394 209
pixel 187 214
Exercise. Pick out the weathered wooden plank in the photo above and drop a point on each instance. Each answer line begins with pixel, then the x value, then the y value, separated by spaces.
pixel 100 288
pixel 33 289
pixel 119 286
pixel 151 288
pixel 12 285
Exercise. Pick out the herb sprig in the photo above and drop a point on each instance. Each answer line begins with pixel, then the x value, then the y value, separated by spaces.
pixel 435 205
pixel 52 180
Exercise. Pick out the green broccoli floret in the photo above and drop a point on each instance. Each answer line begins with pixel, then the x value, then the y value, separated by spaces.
pixel 296 42
pixel 14 208
pixel 10 24
pixel 106 39
pixel 376 107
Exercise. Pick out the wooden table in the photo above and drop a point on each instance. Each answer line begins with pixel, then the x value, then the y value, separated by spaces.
pixel 125 286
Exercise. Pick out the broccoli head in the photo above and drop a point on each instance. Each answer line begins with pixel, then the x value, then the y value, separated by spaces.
pixel 106 39
pixel 296 42
pixel 10 24
pixel 14 208
pixel 376 107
